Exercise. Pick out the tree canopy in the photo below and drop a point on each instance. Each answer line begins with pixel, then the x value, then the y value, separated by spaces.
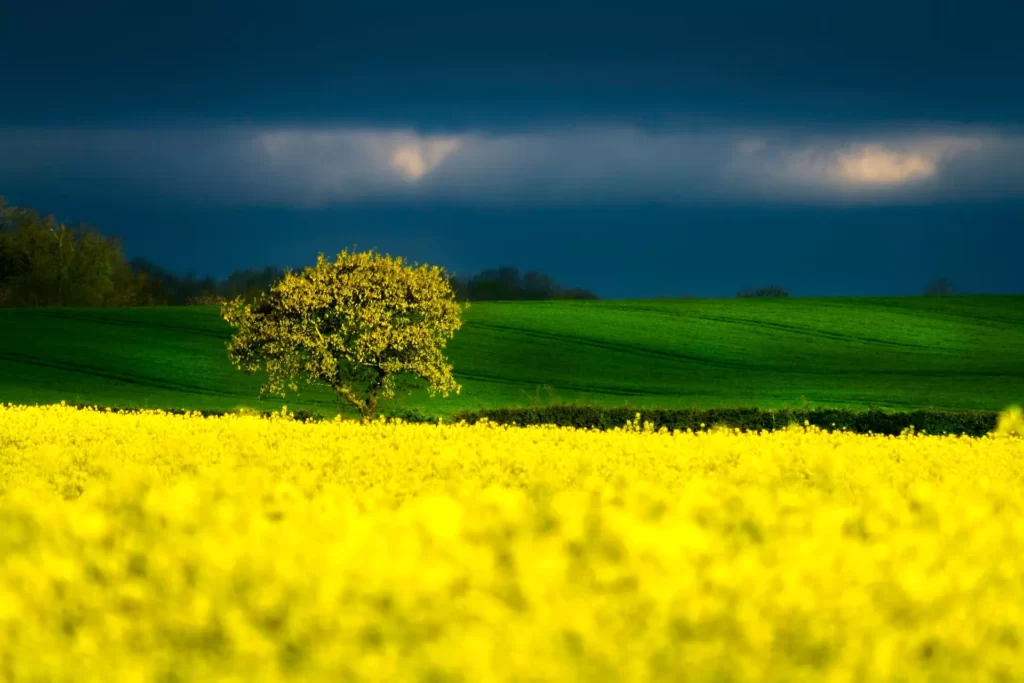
pixel 354 324
pixel 44 262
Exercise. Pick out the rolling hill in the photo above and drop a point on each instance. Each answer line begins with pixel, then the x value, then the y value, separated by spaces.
pixel 964 352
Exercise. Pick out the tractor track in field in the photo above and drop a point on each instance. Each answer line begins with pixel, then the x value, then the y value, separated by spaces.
pixel 808 332
pixel 609 346
pixel 92 371
pixel 951 316
pixel 587 389
pixel 181 329
pixel 744 367
pixel 753 322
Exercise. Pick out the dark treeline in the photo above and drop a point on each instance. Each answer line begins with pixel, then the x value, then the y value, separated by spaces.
pixel 46 263
pixel 165 288
pixel 507 284
pixel 501 284
pixel 769 291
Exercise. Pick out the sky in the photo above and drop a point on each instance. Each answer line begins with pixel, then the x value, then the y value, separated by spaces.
pixel 635 149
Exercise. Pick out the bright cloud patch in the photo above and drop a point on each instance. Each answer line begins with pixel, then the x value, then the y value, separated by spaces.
pixel 316 167
pixel 416 159
pixel 876 165
pixel 901 166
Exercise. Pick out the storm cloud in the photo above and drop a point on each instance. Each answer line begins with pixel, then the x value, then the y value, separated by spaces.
pixel 574 165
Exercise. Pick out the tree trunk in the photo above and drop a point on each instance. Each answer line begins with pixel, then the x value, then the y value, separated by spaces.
pixel 368 406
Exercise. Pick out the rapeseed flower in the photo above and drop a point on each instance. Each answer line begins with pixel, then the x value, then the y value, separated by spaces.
pixel 149 546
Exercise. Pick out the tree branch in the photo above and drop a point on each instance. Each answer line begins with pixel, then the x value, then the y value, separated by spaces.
pixel 375 392
pixel 346 392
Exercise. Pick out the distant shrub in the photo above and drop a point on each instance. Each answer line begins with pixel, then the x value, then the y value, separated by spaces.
pixel 409 414
pixel 206 300
pixel 771 290
pixel 939 287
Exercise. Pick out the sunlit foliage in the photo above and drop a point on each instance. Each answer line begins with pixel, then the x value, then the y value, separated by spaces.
pixel 353 324
pixel 44 262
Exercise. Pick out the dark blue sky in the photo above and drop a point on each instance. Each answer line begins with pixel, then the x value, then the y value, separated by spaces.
pixel 635 149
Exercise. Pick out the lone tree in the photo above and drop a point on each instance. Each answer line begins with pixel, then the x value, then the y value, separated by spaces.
pixel 354 325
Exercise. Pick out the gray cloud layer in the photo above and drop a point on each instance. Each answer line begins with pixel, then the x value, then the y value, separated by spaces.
pixel 318 167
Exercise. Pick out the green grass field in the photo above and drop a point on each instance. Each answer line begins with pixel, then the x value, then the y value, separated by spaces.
pixel 964 352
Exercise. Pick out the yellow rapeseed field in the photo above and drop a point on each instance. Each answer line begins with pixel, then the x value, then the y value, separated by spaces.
pixel 150 547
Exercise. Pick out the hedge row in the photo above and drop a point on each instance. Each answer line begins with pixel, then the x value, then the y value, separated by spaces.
pixel 873 420
pixel 876 421
pixel 302 415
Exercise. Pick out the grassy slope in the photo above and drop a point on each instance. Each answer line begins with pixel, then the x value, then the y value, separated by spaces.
pixel 958 352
